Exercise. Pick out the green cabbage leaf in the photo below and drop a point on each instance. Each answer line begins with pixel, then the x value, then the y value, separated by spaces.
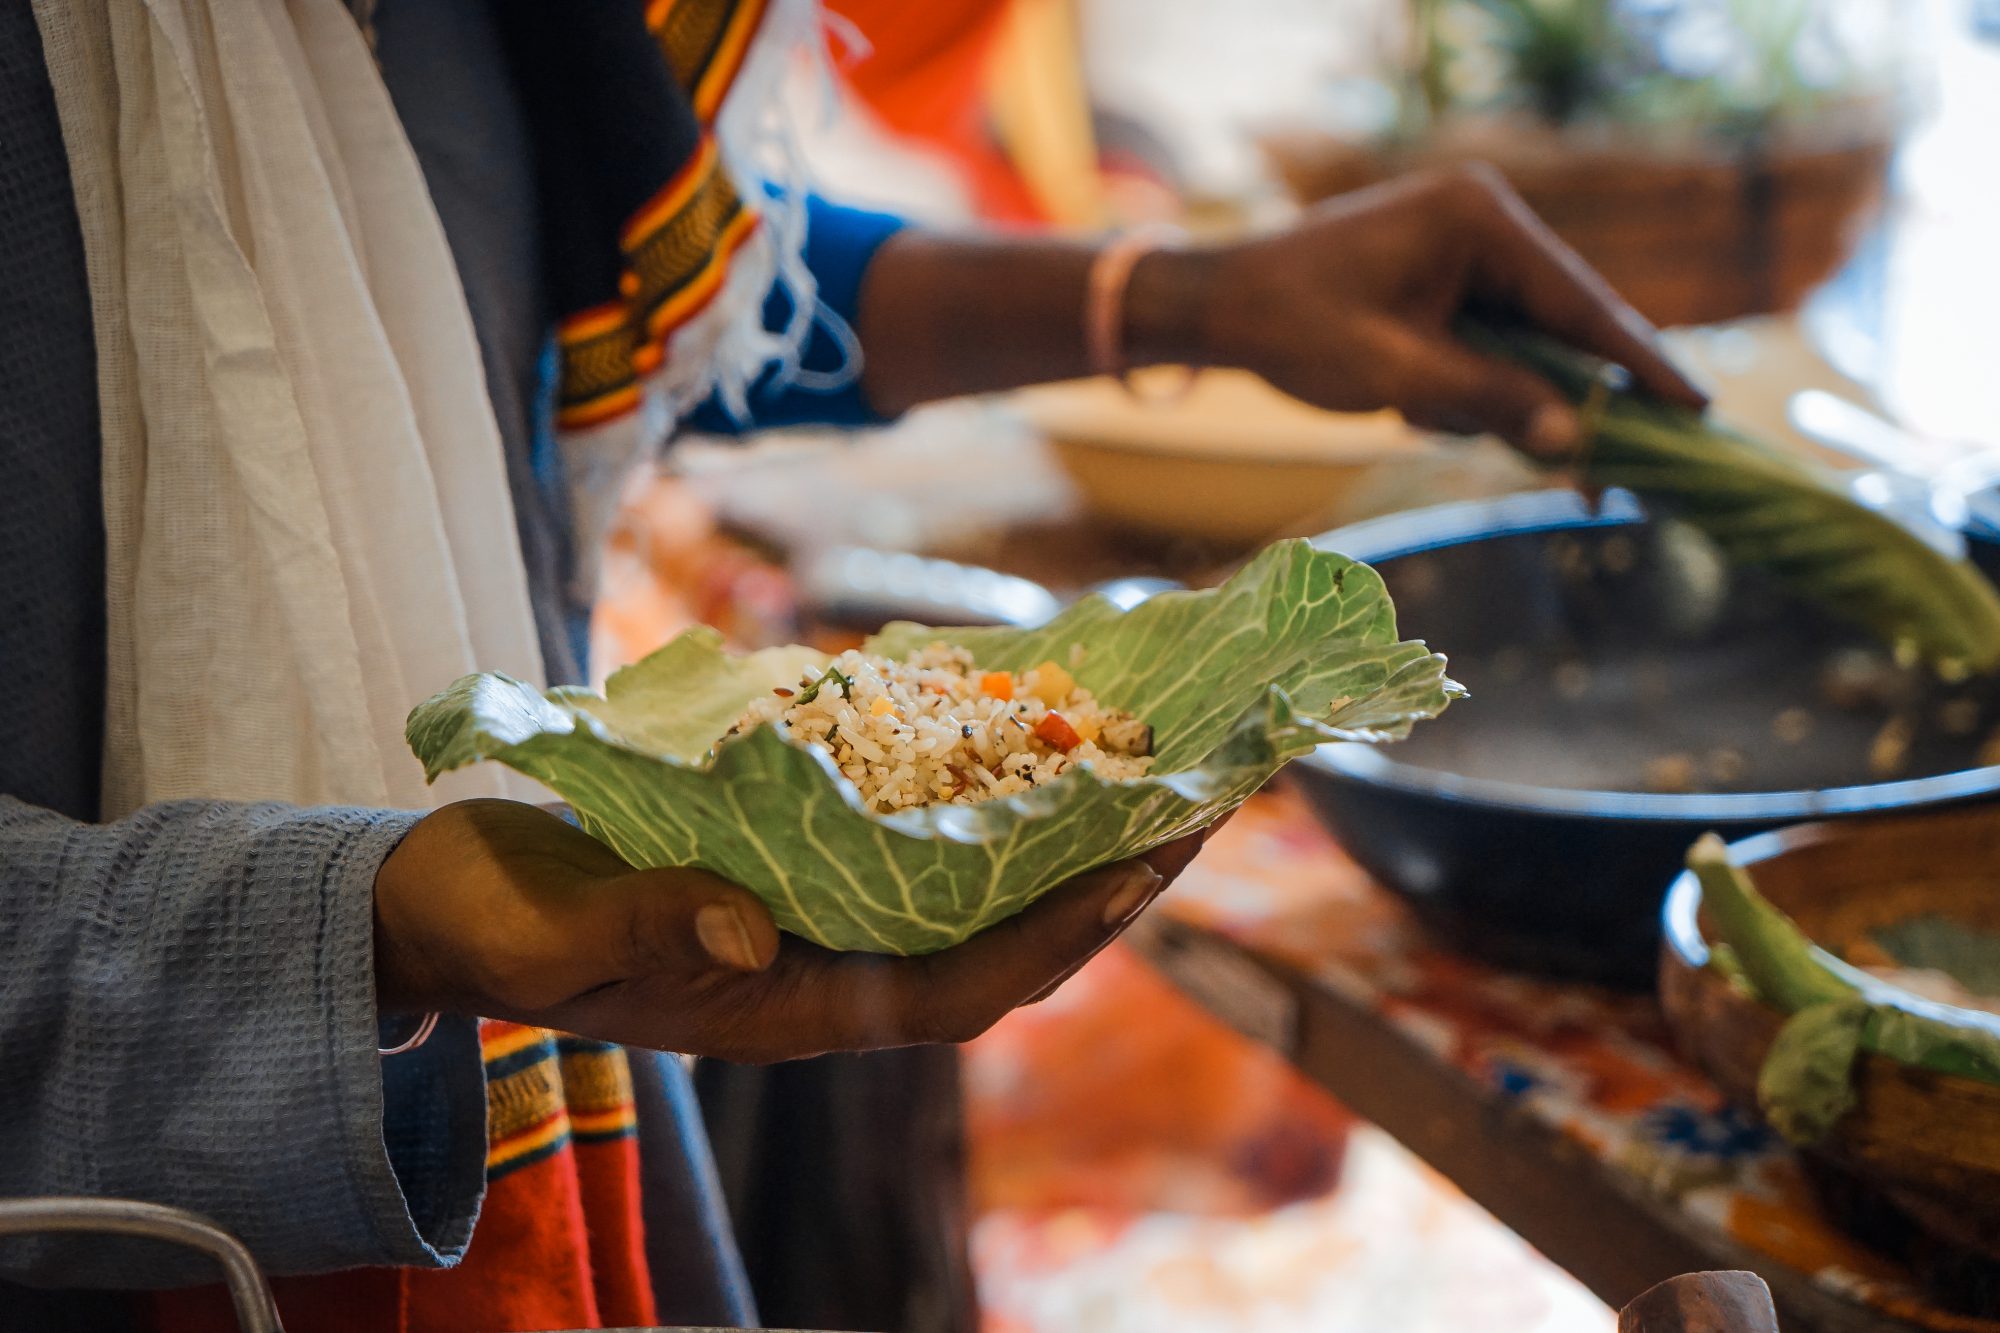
pixel 1297 649
pixel 1773 509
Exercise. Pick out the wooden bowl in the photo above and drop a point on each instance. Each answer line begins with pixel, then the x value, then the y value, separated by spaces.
pixel 1928 1142
pixel 1232 461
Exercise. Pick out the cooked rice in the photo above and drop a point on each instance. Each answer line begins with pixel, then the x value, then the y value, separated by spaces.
pixel 936 728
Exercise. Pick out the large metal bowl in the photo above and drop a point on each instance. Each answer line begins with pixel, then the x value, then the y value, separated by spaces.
pixel 1598 644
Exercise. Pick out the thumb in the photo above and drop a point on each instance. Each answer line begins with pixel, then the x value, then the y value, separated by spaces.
pixel 1454 387
pixel 689 921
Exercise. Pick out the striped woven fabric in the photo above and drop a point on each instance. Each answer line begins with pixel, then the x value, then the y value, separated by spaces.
pixel 678 246
pixel 544 1092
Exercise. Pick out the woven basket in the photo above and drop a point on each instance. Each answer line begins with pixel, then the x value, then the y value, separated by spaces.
pixel 1693 233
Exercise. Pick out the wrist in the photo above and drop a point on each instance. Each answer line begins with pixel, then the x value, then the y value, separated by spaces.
pixel 1168 299
pixel 404 986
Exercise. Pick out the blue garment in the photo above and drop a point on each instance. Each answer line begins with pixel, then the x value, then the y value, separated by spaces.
pixel 840 244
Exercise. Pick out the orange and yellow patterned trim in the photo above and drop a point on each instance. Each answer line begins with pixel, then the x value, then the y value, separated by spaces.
pixel 704 43
pixel 678 246
pixel 544 1092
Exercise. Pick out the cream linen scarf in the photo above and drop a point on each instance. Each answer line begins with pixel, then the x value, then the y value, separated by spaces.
pixel 307 521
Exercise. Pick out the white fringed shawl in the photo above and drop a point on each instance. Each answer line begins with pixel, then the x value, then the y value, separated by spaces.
pixel 307 521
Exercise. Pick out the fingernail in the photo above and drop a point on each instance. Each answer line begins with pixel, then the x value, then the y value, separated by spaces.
pixel 1553 430
pixel 723 934
pixel 1136 887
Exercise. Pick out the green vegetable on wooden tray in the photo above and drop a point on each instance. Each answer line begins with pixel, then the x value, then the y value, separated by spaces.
pixel 1835 1011
pixel 1775 510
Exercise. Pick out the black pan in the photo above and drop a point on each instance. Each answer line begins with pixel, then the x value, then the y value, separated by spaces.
pixel 1610 655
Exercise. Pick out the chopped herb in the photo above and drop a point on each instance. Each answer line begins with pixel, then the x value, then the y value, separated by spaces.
pixel 832 673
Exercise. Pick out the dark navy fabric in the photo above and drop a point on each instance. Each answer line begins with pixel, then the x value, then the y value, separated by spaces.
pixel 51 508
pixel 445 64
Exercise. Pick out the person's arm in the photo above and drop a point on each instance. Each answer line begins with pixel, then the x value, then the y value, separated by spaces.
pixel 1350 309
pixel 188 1016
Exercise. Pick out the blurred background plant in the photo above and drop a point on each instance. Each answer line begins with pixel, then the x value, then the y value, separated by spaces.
pixel 1731 67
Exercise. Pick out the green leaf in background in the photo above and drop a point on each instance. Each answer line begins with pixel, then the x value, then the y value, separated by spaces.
pixel 1969 957
pixel 1807 1081
pixel 1785 969
pixel 1299 648
pixel 1774 510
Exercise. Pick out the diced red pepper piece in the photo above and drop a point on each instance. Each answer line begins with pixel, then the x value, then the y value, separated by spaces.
pixel 1054 729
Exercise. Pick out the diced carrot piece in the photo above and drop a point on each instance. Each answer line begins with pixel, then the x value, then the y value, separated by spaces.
pixel 997 685
pixel 1054 729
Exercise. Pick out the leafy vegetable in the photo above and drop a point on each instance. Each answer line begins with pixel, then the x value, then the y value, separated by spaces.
pixel 1807 1082
pixel 1787 970
pixel 1299 648
pixel 1774 510
pixel 1836 1010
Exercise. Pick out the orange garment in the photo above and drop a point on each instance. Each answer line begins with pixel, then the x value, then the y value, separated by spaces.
pixel 558 1243
pixel 924 75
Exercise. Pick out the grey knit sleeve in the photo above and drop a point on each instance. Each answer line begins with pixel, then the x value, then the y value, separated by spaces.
pixel 187 1015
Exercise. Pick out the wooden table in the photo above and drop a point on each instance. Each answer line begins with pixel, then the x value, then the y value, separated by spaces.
pixel 1547 1104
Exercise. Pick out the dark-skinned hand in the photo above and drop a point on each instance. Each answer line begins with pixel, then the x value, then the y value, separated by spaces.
pixel 503 910
pixel 1352 309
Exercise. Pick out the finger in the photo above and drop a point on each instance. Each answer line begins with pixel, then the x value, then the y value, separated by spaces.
pixel 956 994
pixel 1063 932
pixel 1445 385
pixel 810 1000
pixel 1521 262
pixel 1065 978
pixel 685 922
pixel 1170 858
